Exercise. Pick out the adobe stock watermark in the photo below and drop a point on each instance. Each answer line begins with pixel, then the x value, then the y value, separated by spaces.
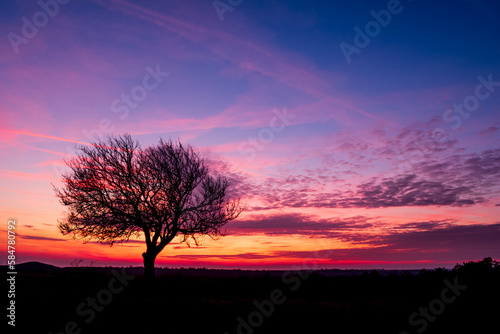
pixel 265 135
pixel 29 29
pixel 87 309
pixel 225 6
pixel 11 271
pixel 420 320
pixel 122 106
pixel 126 102
pixel 455 115
pixel 471 102
pixel 371 30
pixel 265 309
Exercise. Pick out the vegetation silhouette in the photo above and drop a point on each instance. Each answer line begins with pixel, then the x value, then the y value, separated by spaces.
pixel 208 300
pixel 116 190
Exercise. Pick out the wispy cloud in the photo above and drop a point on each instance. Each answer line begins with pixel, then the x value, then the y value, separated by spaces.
pixel 39 135
pixel 35 237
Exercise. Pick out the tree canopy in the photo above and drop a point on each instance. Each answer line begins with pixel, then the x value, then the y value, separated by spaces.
pixel 115 190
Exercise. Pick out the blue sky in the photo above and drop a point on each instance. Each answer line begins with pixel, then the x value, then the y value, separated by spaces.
pixel 354 157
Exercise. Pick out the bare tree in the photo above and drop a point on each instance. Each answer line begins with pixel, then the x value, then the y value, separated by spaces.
pixel 76 263
pixel 116 190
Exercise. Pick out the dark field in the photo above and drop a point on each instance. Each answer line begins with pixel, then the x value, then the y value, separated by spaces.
pixel 94 300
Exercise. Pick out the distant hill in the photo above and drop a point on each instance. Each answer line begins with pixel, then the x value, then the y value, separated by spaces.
pixel 36 267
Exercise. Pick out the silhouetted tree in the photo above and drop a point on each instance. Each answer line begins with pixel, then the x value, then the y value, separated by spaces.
pixel 116 190
pixel 485 265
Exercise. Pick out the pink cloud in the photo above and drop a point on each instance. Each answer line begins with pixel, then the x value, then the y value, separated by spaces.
pixel 45 136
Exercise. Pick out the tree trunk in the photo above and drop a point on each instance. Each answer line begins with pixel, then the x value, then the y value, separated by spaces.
pixel 149 266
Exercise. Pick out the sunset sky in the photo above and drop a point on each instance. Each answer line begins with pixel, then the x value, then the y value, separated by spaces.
pixel 361 134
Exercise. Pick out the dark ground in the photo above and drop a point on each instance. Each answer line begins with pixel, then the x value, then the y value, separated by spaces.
pixel 206 301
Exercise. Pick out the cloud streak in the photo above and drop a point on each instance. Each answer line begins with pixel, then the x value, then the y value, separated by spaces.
pixel 45 136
